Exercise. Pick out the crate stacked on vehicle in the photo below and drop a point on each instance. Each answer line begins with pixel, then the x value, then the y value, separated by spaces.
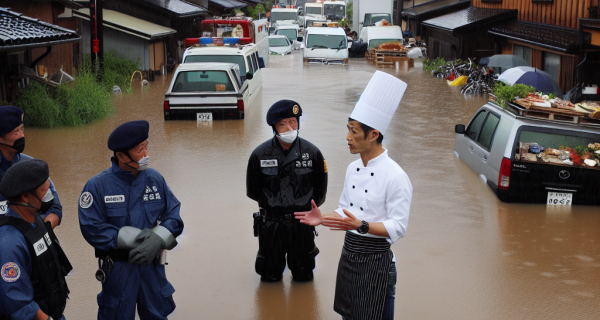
pixel 585 113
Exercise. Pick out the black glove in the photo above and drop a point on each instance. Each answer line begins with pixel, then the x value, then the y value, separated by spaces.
pixel 145 253
pixel 144 235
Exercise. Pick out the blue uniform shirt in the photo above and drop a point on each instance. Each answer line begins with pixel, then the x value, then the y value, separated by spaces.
pixel 16 291
pixel 114 199
pixel 5 165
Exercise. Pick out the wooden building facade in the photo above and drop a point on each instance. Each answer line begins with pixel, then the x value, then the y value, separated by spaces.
pixel 550 36
pixel 184 17
pixel 61 56
pixel 463 34
pixel 563 13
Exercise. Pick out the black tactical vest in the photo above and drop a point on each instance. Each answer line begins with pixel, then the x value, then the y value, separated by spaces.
pixel 50 265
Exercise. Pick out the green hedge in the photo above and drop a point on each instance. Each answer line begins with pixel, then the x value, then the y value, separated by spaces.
pixel 77 103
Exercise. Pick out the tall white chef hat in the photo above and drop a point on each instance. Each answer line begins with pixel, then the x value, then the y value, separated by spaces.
pixel 379 101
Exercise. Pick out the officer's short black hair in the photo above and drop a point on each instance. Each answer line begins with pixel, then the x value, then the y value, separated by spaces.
pixel 366 129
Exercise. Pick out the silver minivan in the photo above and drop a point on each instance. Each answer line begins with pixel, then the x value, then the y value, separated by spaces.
pixel 525 159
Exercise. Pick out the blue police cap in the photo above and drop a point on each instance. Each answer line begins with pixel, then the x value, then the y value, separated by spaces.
pixel 23 177
pixel 10 118
pixel 128 135
pixel 283 109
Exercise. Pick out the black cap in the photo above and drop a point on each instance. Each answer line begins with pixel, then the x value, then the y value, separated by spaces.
pixel 10 118
pixel 128 135
pixel 23 177
pixel 283 109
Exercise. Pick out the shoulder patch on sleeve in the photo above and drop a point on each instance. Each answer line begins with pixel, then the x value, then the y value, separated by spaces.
pixel 325 163
pixel 85 200
pixel 10 272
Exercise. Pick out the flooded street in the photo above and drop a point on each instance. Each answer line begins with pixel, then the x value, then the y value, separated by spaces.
pixel 466 255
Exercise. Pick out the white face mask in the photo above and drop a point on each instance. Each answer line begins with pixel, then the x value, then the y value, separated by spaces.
pixel 48 196
pixel 289 136
pixel 143 163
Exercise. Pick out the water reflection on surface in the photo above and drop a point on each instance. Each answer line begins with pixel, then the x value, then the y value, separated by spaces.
pixel 466 255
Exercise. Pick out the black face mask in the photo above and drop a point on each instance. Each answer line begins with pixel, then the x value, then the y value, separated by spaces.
pixel 19 145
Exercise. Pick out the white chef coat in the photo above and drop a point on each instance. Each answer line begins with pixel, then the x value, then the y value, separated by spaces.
pixel 379 192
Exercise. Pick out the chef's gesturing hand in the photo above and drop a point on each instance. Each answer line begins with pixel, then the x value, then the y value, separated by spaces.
pixel 337 222
pixel 312 217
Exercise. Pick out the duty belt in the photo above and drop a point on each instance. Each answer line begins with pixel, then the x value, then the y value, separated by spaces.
pixel 114 254
pixel 281 217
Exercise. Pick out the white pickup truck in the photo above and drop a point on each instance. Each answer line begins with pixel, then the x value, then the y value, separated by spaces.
pixel 201 91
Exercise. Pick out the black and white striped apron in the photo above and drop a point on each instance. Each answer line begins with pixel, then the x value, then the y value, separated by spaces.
pixel 362 277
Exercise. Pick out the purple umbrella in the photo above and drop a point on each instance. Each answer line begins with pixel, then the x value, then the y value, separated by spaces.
pixel 538 79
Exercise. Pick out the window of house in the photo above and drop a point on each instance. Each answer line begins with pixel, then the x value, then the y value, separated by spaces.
pixel 523 52
pixel 552 65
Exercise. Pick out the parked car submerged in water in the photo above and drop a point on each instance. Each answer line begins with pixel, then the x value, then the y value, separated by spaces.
pixel 532 160
pixel 201 91
pixel 279 45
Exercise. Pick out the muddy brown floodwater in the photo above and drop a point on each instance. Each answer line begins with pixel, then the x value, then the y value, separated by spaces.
pixel 466 255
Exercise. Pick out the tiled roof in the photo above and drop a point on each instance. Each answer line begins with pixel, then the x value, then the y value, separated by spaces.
pixel 435 5
pixel 470 18
pixel 544 35
pixel 18 32
pixel 176 7
pixel 229 4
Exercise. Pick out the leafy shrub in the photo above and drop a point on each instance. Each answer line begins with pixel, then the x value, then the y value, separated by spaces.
pixel 70 104
pixel 430 65
pixel 506 93
pixel 80 102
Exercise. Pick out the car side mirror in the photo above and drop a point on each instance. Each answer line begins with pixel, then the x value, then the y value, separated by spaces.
pixel 249 76
pixel 459 129
pixel 261 62
pixel 300 39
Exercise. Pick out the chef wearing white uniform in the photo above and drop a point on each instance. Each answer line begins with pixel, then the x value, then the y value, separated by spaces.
pixel 373 208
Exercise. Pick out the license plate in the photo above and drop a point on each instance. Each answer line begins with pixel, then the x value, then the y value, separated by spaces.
pixel 204 116
pixel 560 198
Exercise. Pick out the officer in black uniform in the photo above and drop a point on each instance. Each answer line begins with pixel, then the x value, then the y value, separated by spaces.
pixel 285 174
pixel 33 265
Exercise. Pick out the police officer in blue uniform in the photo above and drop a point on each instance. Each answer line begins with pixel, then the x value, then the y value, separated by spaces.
pixel 12 144
pixel 33 265
pixel 285 174
pixel 130 216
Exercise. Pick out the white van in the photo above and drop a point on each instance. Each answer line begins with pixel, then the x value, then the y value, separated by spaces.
pixel 374 36
pixel 325 45
pixel 280 16
pixel 291 31
pixel 245 56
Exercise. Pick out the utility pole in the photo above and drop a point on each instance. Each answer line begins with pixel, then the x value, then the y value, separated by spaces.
pixel 97 38
pixel 399 9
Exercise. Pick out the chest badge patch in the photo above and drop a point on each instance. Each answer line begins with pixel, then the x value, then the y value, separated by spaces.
pixel 10 272
pixel 305 156
pixel 40 247
pixel 3 207
pixel 268 163
pixel 151 194
pixel 85 200
pixel 114 199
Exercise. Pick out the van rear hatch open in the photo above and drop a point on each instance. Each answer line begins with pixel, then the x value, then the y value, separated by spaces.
pixel 554 165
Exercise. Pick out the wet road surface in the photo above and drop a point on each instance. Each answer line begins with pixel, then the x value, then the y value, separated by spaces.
pixel 466 255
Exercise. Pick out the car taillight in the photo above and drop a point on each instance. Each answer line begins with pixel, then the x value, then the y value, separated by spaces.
pixel 504 176
pixel 167 107
pixel 240 104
